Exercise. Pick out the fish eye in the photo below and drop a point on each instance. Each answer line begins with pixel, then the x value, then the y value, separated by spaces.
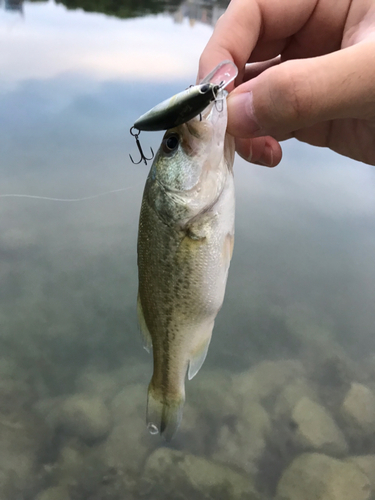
pixel 170 143
pixel 205 88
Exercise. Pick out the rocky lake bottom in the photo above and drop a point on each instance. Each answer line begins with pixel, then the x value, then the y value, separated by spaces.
pixel 282 429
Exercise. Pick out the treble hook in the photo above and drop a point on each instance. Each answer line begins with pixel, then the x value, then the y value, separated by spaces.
pixel 219 100
pixel 219 105
pixel 143 157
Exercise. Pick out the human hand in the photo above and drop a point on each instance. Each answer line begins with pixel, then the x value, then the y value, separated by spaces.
pixel 320 90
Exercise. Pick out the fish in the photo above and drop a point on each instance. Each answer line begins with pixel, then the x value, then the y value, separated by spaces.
pixel 185 245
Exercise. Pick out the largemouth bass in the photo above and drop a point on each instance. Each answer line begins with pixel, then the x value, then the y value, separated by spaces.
pixel 185 245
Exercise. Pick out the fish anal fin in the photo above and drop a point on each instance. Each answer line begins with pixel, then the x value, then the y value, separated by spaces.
pixel 146 337
pixel 199 355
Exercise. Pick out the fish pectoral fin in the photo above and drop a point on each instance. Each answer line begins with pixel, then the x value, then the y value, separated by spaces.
pixel 146 337
pixel 198 229
pixel 195 234
pixel 197 360
pixel 227 250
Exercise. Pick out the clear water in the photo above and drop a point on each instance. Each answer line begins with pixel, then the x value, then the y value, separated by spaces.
pixel 301 284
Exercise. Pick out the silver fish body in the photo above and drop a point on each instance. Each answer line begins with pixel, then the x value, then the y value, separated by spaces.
pixel 185 244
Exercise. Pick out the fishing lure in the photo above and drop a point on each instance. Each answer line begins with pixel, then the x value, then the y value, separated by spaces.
pixel 180 108
pixel 185 105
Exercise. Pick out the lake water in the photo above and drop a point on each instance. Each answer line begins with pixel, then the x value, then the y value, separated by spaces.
pixel 289 381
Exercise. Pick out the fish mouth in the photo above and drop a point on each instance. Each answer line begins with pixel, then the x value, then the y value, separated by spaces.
pixel 200 126
pixel 209 127
pixel 210 114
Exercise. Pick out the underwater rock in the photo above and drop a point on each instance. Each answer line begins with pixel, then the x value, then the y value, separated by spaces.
pixel 174 474
pixel 24 439
pixel 84 416
pixel 333 375
pixel 241 439
pixel 129 442
pixel 213 389
pixel 367 465
pixel 358 408
pixel 266 378
pixel 70 463
pixel 81 471
pixel 209 402
pixel 289 396
pixel 197 431
pixel 54 493
pixel 313 476
pixel 316 429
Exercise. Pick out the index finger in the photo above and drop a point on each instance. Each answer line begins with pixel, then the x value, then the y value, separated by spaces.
pixel 250 24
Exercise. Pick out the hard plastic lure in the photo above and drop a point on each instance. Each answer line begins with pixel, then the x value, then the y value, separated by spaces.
pixel 189 103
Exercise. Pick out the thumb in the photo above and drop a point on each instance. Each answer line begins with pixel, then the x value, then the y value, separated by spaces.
pixel 300 93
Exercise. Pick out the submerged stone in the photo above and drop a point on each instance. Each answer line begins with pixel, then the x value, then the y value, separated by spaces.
pixel 24 439
pixel 266 378
pixel 358 408
pixel 289 396
pixel 84 416
pixel 129 441
pixel 54 493
pixel 316 429
pixel 174 474
pixel 367 465
pixel 313 476
pixel 242 440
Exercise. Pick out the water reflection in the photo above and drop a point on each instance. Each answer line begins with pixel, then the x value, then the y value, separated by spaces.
pixel 83 44
pixel 292 355
pixel 205 11
pixel 124 8
pixel 14 5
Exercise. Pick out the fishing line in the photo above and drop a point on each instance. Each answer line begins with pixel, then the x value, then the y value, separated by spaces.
pixel 67 200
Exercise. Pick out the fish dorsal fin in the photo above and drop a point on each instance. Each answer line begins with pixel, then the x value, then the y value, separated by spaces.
pixel 146 337
pixel 198 358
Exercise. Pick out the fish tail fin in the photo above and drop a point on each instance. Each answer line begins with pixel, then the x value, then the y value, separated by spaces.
pixel 164 414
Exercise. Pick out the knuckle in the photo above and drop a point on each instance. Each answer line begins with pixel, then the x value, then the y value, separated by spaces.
pixel 291 94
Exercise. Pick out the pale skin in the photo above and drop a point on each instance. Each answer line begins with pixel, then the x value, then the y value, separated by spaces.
pixel 320 90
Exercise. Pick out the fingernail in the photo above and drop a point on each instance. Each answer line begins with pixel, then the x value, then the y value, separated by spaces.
pixel 242 122
pixel 266 159
pixel 267 156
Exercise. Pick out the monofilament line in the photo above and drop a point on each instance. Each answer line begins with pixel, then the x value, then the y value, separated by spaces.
pixel 47 198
